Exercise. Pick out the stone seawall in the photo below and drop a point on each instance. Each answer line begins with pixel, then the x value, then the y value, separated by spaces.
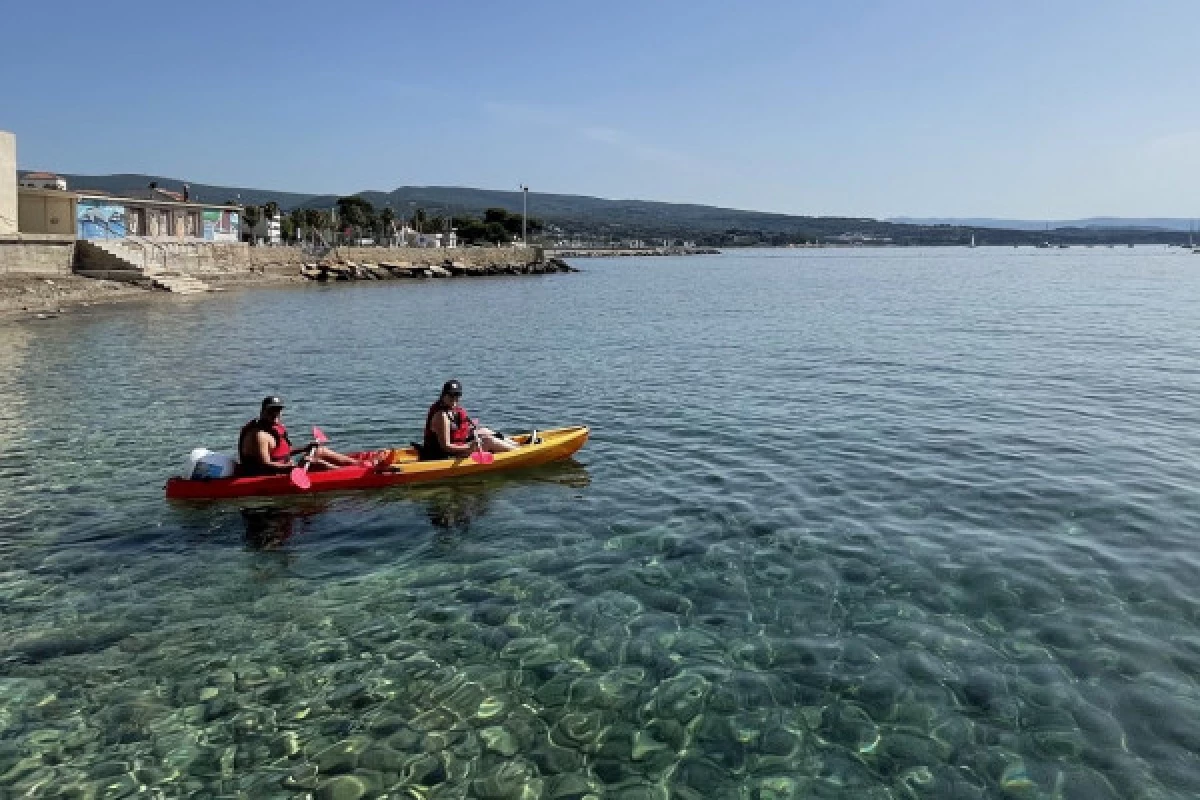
pixel 221 260
pixel 36 254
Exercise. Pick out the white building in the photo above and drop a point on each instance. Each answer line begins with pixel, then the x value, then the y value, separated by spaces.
pixel 42 180
pixel 407 237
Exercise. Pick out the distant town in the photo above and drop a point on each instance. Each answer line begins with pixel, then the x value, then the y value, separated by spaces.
pixel 112 206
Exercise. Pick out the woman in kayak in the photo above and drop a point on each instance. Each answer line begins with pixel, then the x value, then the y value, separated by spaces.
pixel 449 432
pixel 264 447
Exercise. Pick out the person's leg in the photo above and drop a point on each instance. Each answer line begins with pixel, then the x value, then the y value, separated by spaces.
pixel 335 458
pixel 494 444
pixel 316 464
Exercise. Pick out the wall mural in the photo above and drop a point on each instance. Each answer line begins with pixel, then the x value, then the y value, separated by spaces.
pixel 221 226
pixel 97 219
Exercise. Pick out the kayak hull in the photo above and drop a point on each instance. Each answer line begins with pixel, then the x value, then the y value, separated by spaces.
pixel 405 468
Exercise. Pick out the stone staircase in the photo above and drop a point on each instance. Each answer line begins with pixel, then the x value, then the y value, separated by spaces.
pixel 134 260
pixel 179 283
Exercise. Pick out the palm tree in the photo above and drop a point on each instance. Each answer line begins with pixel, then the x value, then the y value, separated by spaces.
pixel 388 218
pixel 298 217
pixel 251 215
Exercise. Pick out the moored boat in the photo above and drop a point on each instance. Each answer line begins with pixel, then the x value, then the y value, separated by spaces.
pixel 403 466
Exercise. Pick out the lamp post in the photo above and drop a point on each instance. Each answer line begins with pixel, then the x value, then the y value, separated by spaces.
pixel 524 214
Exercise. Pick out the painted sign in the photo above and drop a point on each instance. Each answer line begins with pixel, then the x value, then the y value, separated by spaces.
pixel 99 219
pixel 221 225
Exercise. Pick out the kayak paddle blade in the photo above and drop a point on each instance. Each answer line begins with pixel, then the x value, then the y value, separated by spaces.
pixel 480 457
pixel 319 435
pixel 300 479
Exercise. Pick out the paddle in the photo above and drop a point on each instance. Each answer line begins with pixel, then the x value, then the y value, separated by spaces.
pixel 299 475
pixel 480 456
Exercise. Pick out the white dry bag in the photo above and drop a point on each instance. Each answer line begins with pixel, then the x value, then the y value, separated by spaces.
pixel 203 465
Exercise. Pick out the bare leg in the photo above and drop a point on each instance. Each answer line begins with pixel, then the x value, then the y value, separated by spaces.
pixel 334 459
pixel 494 444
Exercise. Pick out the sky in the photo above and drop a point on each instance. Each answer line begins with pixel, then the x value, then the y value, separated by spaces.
pixel 1038 110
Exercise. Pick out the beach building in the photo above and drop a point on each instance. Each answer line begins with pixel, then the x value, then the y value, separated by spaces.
pixel 46 211
pixel 156 214
pixel 48 227
pixel 406 236
pixel 42 180
pixel 36 225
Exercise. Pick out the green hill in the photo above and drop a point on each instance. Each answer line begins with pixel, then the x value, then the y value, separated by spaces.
pixel 602 219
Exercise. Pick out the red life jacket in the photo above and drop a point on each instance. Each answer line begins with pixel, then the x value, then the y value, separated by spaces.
pixel 460 427
pixel 280 452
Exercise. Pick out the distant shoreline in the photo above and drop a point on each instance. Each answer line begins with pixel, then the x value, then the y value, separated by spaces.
pixel 615 252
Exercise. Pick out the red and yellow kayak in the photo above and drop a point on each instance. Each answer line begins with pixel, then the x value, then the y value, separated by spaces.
pixel 402 466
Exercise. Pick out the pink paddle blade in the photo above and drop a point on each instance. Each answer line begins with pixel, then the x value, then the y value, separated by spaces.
pixel 299 478
pixel 319 435
pixel 482 458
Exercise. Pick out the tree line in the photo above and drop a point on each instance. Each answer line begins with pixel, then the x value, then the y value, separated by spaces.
pixel 354 218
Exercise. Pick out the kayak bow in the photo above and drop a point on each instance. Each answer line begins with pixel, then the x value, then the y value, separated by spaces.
pixel 403 466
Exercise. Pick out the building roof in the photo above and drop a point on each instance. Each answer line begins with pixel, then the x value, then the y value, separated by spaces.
pixel 39 175
pixel 144 197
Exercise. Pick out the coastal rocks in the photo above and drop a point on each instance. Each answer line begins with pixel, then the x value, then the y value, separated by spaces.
pixel 353 271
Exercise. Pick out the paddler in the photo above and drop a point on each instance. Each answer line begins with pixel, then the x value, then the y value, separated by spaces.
pixel 450 433
pixel 264 447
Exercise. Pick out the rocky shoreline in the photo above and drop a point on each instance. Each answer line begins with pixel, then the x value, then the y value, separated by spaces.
pixel 390 270
pixel 48 296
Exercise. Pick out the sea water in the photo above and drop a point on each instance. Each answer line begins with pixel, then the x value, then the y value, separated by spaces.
pixel 851 523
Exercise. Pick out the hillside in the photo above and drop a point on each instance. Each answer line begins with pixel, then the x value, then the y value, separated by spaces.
pixel 602 219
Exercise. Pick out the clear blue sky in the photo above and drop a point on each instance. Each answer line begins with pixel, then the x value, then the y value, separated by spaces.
pixel 967 108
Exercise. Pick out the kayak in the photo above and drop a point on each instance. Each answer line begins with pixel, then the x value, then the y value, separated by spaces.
pixel 401 466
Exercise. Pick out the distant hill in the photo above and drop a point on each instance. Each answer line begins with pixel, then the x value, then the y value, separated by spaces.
pixel 603 219
pixel 1126 223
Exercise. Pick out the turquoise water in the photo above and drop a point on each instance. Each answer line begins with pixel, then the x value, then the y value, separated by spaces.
pixel 858 523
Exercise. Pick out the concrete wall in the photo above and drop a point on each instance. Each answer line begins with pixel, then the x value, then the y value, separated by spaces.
pixel 37 255
pixel 45 211
pixel 198 258
pixel 8 183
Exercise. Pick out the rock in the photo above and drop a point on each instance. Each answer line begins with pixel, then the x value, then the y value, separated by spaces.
pixel 302 778
pixel 439 272
pixel 343 787
pixel 499 740
pixel 343 756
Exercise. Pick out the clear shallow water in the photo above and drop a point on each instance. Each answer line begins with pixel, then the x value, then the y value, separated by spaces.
pixel 911 523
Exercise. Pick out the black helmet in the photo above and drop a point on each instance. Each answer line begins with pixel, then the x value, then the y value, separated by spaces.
pixel 452 387
pixel 272 401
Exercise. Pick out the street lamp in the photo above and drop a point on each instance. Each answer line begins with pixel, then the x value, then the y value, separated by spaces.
pixel 524 214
